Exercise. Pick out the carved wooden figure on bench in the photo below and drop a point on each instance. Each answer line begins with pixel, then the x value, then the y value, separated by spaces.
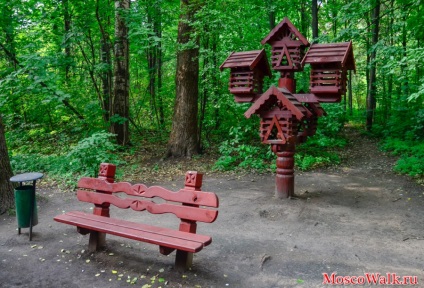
pixel 185 204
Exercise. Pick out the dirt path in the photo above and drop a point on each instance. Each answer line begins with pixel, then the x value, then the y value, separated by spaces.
pixel 353 219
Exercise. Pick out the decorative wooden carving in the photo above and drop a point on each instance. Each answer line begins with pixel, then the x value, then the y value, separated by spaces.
pixel 280 114
pixel 288 47
pixel 248 70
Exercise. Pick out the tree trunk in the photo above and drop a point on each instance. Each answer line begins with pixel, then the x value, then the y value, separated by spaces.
pixel 314 19
pixel 152 60
pixel 67 26
pixel 404 65
pixel 158 31
pixel 349 93
pixel 372 91
pixel 106 59
pixel 120 106
pixel 183 141
pixel 304 23
pixel 6 187
pixel 271 14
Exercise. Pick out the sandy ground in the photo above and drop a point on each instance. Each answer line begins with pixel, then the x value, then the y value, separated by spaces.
pixel 350 220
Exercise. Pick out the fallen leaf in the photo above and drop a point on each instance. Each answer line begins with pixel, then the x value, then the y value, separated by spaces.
pixel 161 270
pixel 97 275
pixel 87 261
pixel 114 272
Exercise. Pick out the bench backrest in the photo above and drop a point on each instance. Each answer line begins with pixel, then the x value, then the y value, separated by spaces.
pixel 189 203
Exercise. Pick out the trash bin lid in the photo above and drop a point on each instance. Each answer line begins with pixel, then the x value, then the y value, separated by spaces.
pixel 26 177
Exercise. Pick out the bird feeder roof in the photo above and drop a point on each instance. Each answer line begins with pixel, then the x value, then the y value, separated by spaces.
pixel 274 94
pixel 248 59
pixel 284 29
pixel 337 54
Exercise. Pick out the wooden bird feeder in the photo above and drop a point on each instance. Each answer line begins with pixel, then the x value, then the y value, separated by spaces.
pixel 280 114
pixel 308 126
pixel 329 65
pixel 288 47
pixel 248 70
pixel 288 119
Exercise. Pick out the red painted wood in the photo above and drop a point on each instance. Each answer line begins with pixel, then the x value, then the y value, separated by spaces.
pixel 187 204
pixel 284 181
pixel 273 95
pixel 160 236
pixel 183 212
pixel 183 196
pixel 285 28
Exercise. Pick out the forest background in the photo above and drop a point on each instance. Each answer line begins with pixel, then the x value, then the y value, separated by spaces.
pixel 84 82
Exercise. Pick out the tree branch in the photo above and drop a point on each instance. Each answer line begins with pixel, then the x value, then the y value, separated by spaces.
pixel 43 84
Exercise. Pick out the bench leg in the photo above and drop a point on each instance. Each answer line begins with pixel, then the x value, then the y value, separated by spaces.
pixel 97 241
pixel 183 260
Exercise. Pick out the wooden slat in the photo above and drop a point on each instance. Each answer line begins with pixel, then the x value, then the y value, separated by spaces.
pixel 239 91
pixel 183 196
pixel 183 212
pixel 325 89
pixel 238 78
pixel 160 236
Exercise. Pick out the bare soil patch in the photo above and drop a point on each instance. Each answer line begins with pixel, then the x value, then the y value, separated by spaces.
pixel 352 219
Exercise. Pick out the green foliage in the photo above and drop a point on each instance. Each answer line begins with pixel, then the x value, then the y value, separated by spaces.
pixel 412 166
pixel 238 153
pixel 320 150
pixel 411 161
pixel 58 67
pixel 83 159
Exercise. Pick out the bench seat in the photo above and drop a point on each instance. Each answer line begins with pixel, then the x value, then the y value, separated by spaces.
pixel 165 237
pixel 190 205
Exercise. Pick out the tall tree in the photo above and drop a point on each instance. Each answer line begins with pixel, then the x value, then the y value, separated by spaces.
pixel 6 187
pixel 314 19
pixel 184 141
pixel 372 91
pixel 103 20
pixel 120 106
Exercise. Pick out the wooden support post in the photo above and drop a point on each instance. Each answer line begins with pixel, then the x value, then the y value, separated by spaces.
pixel 97 239
pixel 284 180
pixel 183 259
pixel 287 81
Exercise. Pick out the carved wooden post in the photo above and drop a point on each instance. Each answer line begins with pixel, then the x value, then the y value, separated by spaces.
pixel 193 181
pixel 97 239
pixel 284 180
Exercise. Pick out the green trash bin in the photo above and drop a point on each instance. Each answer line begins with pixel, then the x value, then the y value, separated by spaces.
pixel 23 196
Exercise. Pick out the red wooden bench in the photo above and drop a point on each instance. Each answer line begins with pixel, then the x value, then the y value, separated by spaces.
pixel 186 204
